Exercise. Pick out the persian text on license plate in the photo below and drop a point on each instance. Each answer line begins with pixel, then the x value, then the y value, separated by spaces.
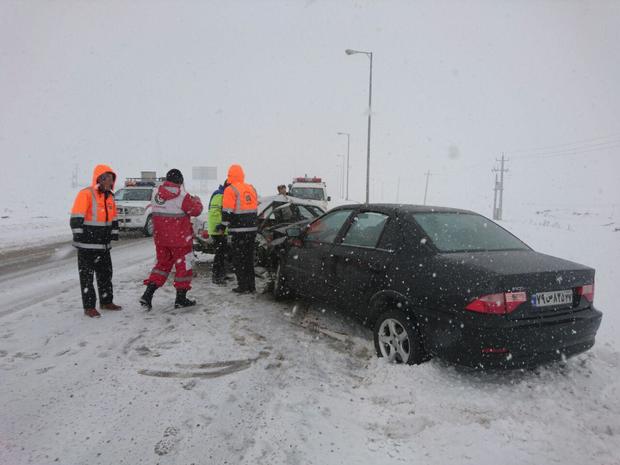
pixel 547 299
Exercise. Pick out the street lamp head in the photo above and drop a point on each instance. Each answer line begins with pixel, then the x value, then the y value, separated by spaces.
pixel 350 52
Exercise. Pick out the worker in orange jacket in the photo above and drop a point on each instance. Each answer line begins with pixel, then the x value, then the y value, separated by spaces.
pixel 94 225
pixel 239 215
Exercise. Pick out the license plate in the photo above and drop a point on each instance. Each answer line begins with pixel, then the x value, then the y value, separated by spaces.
pixel 548 299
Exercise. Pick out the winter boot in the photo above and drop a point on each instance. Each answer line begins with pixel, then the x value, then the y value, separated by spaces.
pixel 111 306
pixel 182 300
pixel 92 312
pixel 242 290
pixel 147 297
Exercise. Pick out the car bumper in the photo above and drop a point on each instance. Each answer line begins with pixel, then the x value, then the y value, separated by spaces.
pixel 515 344
pixel 131 222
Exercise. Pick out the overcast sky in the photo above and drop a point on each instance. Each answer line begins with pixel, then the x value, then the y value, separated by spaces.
pixel 160 84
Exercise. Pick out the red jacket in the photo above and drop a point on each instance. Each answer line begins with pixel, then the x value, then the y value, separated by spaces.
pixel 171 216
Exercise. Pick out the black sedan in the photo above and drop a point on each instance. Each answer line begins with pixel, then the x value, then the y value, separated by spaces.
pixel 442 282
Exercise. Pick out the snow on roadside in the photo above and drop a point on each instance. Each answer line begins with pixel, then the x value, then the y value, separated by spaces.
pixel 20 233
pixel 41 220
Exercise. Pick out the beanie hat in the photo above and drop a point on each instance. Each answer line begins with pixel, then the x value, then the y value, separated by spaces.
pixel 174 176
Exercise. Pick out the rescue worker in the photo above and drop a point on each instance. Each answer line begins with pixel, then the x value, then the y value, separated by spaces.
pixel 218 232
pixel 94 224
pixel 172 208
pixel 239 215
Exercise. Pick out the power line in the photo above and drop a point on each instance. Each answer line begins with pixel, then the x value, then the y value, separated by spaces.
pixel 565 144
pixel 572 151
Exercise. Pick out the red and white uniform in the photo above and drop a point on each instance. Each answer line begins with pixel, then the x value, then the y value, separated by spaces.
pixel 172 233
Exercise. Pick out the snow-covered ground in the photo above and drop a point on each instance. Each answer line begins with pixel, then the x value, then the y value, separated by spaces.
pixel 243 379
pixel 42 218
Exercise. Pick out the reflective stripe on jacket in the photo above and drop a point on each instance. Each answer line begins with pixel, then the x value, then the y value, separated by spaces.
pixel 93 216
pixel 239 203
pixel 171 213
pixel 215 212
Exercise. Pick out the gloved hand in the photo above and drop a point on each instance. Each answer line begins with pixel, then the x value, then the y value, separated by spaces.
pixel 220 228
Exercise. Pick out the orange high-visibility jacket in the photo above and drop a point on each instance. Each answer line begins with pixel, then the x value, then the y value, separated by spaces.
pixel 93 216
pixel 239 203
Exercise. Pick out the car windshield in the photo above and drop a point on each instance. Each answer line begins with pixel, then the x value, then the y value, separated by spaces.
pixel 133 194
pixel 466 232
pixel 311 193
pixel 308 211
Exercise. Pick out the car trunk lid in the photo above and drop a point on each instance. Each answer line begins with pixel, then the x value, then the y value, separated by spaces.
pixel 552 285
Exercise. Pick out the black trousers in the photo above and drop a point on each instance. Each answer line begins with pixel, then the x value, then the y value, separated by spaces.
pixel 219 261
pixel 243 259
pixel 99 262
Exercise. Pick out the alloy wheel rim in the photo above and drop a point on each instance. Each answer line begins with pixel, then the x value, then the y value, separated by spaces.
pixel 394 341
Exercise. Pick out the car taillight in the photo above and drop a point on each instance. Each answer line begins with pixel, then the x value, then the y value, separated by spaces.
pixel 205 234
pixel 497 304
pixel 587 292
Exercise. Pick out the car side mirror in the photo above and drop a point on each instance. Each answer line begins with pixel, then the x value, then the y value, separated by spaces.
pixel 293 233
pixel 329 199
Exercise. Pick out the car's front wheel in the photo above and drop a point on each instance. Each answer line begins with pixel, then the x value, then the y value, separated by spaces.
pixel 398 339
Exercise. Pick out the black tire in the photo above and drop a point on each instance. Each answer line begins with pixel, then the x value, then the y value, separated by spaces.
pixel 281 290
pixel 148 227
pixel 407 347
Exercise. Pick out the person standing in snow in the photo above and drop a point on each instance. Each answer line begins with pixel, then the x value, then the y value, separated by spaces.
pixel 218 232
pixel 240 216
pixel 172 208
pixel 94 225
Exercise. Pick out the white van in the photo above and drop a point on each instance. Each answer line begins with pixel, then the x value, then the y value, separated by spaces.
pixel 133 204
pixel 313 190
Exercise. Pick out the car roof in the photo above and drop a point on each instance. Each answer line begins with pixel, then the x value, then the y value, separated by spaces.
pixel 402 207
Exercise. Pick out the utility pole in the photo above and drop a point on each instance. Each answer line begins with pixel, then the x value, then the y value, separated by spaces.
pixel 500 188
pixel 348 163
pixel 397 189
pixel 495 189
pixel 428 175
pixel 342 179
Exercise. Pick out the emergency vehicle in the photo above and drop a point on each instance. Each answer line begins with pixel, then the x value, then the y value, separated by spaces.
pixel 311 189
pixel 133 203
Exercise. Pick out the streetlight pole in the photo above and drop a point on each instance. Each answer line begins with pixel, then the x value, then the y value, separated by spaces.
pixel 342 180
pixel 348 165
pixel 369 55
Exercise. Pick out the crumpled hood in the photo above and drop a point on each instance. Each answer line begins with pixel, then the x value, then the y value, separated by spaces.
pixel 169 190
pixel 99 170
pixel 235 174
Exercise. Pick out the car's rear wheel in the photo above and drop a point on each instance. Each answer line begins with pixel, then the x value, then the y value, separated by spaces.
pixel 148 227
pixel 280 287
pixel 398 339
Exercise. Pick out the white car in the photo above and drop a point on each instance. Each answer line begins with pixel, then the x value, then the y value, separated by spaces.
pixel 311 190
pixel 133 204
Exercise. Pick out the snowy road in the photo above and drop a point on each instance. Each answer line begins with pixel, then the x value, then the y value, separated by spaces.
pixel 243 379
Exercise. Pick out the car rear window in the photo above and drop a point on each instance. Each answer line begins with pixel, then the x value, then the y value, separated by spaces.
pixel 310 193
pixel 465 232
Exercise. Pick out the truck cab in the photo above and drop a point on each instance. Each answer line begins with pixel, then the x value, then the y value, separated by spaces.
pixel 311 189
pixel 133 203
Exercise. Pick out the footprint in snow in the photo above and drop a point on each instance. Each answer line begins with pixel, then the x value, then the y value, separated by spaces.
pixel 169 442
